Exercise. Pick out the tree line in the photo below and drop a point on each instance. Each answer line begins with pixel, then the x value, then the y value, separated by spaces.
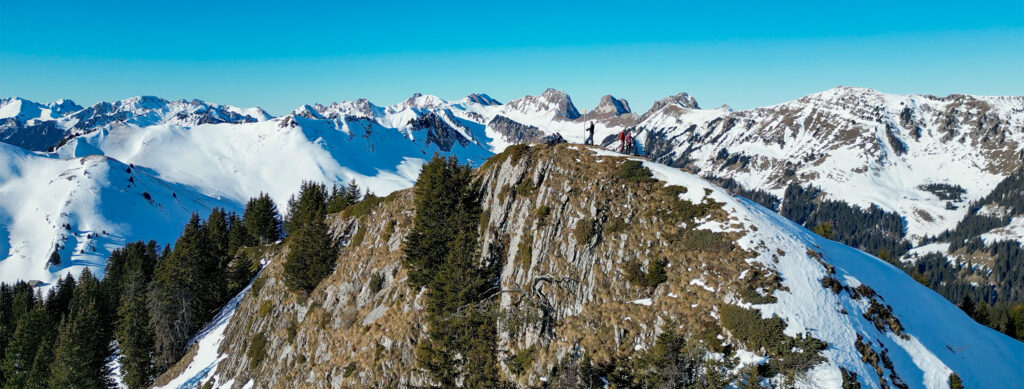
pixel 153 299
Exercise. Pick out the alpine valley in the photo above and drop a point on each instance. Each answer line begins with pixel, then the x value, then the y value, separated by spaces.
pixel 846 239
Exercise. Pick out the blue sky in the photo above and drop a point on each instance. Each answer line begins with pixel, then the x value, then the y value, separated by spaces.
pixel 280 55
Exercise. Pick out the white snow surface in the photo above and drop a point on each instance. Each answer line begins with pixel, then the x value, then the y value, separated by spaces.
pixel 89 206
pixel 208 340
pixel 844 140
pixel 942 339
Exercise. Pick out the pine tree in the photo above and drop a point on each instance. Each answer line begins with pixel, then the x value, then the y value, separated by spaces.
pixel 341 197
pixel 40 372
pixel 6 330
pixel 79 354
pixel 134 334
pixel 32 330
pixel 54 258
pixel 967 305
pixel 59 298
pixel 442 254
pixel 16 302
pixel 218 235
pixel 218 239
pixel 239 235
pixel 183 293
pixel 262 220
pixel 310 204
pixel 240 272
pixel 312 251
pixel 446 200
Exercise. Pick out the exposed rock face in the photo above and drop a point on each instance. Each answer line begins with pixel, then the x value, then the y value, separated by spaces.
pixel 550 100
pixel 568 242
pixel 44 127
pixel 675 102
pixel 36 136
pixel 610 106
pixel 514 131
pixel 613 112
pixel 482 99
pixel 852 136
pixel 438 132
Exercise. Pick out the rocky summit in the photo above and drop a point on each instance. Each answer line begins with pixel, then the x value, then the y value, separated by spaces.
pixel 601 262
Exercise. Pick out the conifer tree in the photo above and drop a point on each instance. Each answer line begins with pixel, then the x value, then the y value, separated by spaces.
pixel 58 300
pixel 262 220
pixel 342 197
pixel 310 204
pixel 32 330
pixel 967 305
pixel 239 235
pixel 54 258
pixel 240 272
pixel 181 296
pixel 134 334
pixel 442 254
pixel 311 252
pixel 80 350
pixel 6 330
pixel 218 235
pixel 445 200
pixel 218 238
pixel 39 374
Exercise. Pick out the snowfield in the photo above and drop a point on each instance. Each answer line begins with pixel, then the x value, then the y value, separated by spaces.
pixel 942 339
pixel 87 207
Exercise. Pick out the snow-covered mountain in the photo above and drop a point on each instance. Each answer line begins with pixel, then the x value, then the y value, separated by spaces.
pixel 856 144
pixel 84 208
pixel 41 127
pixel 866 322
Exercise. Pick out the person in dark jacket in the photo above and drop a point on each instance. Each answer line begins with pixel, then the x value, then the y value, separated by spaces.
pixel 589 132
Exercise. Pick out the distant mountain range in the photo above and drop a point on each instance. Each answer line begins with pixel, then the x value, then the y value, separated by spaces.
pixel 856 145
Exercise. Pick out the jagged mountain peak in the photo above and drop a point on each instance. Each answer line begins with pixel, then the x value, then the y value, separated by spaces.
pixel 63 107
pixel 551 101
pixel 417 101
pixel 681 100
pixel 609 105
pixel 482 99
pixel 144 102
pixel 309 111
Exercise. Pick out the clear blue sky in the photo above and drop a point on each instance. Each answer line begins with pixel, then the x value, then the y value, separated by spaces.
pixel 280 55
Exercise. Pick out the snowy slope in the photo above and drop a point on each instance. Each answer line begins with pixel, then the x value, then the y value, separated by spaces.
pixel 924 352
pixel 89 206
pixel 858 145
pixel 185 169
pixel 238 161
pixel 933 348
pixel 40 127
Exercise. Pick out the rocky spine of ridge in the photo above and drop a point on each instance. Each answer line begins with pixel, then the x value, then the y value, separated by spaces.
pixel 575 256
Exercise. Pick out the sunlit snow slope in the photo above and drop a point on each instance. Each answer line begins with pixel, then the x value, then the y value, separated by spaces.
pixel 84 208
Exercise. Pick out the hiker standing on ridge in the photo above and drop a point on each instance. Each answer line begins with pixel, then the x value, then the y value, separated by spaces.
pixel 622 141
pixel 629 142
pixel 589 131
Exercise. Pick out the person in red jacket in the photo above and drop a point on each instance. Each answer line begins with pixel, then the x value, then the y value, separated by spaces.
pixel 622 141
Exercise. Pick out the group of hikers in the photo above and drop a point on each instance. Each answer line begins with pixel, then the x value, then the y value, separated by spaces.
pixel 627 145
